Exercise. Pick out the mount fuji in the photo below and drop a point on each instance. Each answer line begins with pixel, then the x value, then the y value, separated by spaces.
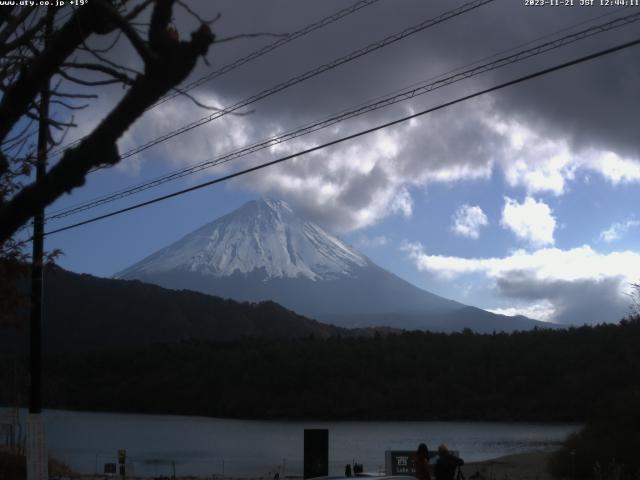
pixel 265 251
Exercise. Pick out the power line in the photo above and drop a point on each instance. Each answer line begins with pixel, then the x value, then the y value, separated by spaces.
pixel 323 22
pixel 268 48
pixel 309 74
pixel 531 76
pixel 363 109
pixel 96 201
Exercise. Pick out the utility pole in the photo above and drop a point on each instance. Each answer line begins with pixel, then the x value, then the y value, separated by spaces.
pixel 37 458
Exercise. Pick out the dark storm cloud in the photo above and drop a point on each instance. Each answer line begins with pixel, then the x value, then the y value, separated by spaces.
pixel 591 106
pixel 579 302
pixel 594 104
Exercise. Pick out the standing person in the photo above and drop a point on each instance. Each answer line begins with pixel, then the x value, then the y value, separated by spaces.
pixel 447 464
pixel 423 469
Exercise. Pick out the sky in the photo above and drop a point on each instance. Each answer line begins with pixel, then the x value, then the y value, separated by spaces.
pixel 521 201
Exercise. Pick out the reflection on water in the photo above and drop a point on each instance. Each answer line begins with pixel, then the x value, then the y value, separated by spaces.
pixel 211 446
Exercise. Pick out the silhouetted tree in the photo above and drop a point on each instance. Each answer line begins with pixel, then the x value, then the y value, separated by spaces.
pixel 635 299
pixel 28 65
pixel 47 51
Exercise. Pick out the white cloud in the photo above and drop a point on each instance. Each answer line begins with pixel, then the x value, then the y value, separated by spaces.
pixel 543 163
pixel 582 285
pixel 467 221
pixel 543 310
pixel 617 230
pixel 372 242
pixel 530 160
pixel 614 168
pixel 201 144
pixel 357 183
pixel 531 220
pixel 579 263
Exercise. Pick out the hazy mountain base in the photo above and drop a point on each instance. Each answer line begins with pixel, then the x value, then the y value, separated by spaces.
pixel 564 375
pixel 373 297
pixel 83 312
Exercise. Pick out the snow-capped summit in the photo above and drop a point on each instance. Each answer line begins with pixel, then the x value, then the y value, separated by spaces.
pixel 262 235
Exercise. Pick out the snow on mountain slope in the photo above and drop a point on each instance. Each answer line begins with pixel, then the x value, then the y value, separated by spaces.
pixel 263 234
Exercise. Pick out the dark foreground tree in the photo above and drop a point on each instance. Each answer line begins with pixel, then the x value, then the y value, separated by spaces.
pixel 59 57
pixel 607 447
pixel 29 63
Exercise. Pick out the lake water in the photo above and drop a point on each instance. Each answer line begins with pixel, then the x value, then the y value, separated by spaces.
pixel 211 446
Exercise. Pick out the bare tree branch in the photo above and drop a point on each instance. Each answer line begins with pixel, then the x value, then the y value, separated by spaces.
pixel 73 95
pixel 169 65
pixel 106 49
pixel 252 35
pixel 138 10
pixel 32 79
pixel 103 59
pixel 68 106
pixel 194 100
pixel 13 23
pixel 188 9
pixel 26 36
pixel 92 83
pixel 138 43
pixel 58 125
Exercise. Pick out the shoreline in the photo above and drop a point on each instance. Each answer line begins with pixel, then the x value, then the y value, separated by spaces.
pixel 518 420
pixel 519 466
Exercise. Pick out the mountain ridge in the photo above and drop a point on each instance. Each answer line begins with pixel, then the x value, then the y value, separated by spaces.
pixel 265 251
pixel 87 313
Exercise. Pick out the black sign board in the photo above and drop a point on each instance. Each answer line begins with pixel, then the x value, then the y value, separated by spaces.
pixel 316 453
pixel 110 468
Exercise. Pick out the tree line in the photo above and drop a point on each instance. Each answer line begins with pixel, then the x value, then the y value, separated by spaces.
pixel 541 375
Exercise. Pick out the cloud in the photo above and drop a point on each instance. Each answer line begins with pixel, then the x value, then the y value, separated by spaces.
pixel 617 230
pixel 539 162
pixel 372 242
pixel 355 184
pixel 543 310
pixel 537 134
pixel 531 220
pixel 532 160
pixel 201 144
pixel 580 284
pixel 615 168
pixel 467 221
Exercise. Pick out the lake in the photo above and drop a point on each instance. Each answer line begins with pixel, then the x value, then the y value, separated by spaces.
pixel 212 446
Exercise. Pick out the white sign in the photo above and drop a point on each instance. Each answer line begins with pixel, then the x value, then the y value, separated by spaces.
pixel 37 460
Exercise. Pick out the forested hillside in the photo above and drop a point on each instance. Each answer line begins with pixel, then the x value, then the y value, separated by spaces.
pixel 540 375
pixel 83 312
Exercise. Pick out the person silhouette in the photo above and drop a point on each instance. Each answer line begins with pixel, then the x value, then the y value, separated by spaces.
pixel 423 469
pixel 447 464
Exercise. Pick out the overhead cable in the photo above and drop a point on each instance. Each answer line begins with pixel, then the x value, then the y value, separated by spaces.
pixel 355 112
pixel 518 80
